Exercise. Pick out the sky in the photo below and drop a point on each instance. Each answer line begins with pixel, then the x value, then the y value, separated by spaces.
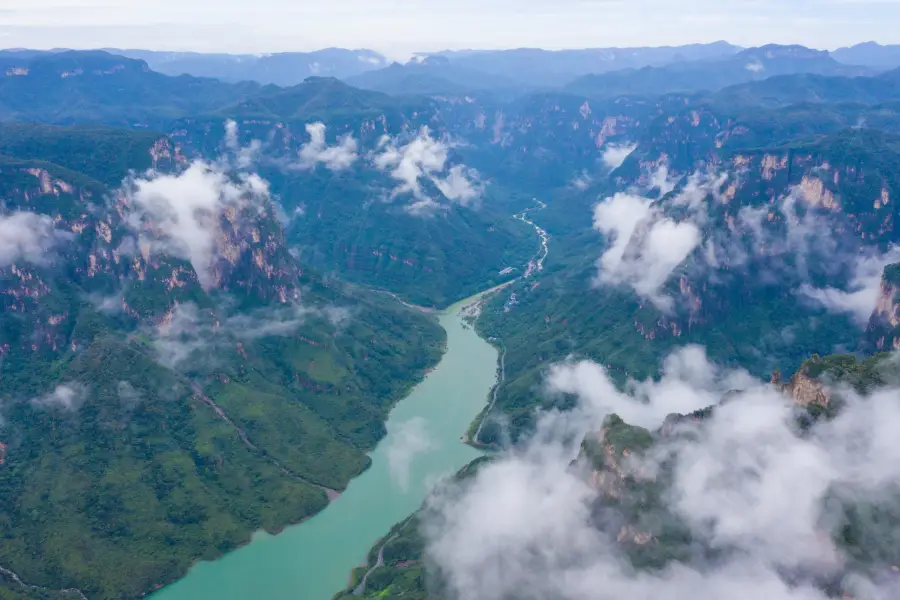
pixel 399 28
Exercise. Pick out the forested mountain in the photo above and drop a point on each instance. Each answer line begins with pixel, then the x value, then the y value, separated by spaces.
pixel 150 388
pixel 191 349
pixel 654 510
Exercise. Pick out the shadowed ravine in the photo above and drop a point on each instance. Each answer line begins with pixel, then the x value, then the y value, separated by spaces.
pixel 312 561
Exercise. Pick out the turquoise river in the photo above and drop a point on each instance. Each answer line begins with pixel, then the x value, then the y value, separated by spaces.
pixel 313 560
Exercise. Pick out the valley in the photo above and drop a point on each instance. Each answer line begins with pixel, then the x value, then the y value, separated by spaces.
pixel 281 326
pixel 313 559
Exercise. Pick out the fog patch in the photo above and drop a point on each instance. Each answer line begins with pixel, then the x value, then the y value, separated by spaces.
pixel 614 155
pixel 67 397
pixel 408 440
pixel 29 237
pixel 317 151
pixel 746 481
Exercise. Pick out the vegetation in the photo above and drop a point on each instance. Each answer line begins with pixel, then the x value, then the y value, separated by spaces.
pixel 120 467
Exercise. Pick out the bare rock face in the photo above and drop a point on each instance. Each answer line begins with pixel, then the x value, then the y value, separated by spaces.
pixel 883 332
pixel 806 391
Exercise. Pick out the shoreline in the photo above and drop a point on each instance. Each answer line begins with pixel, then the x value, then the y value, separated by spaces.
pixel 467 311
pixel 331 494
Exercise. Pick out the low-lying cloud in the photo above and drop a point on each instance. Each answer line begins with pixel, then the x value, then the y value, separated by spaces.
pixel 317 151
pixel 244 157
pixel 424 159
pixel 644 247
pixel 67 397
pixel 614 155
pixel 861 295
pixel 789 241
pixel 765 497
pixel 182 214
pixel 27 236
pixel 408 440
pixel 188 335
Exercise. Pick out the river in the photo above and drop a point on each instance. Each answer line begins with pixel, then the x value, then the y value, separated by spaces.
pixel 312 561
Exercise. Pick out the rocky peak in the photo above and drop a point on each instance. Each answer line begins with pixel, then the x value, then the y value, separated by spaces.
pixel 805 390
pixel 883 331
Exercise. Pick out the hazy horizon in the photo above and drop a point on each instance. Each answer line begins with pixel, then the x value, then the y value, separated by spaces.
pixel 399 28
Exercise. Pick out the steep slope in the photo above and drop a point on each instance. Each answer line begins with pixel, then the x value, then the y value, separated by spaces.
pixel 756 272
pixel 157 408
pixel 635 482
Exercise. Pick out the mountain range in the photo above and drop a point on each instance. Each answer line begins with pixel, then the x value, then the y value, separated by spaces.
pixel 199 340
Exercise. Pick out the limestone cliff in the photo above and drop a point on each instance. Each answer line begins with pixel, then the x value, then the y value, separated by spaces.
pixel 883 332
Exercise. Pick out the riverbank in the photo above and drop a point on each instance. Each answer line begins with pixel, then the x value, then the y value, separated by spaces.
pixel 312 560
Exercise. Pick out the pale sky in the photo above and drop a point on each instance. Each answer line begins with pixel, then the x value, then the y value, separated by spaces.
pixel 400 27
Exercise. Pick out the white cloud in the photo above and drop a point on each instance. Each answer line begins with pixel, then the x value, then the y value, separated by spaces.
pixel 181 214
pixel 583 181
pixel 644 247
pixel 689 382
pixel 755 67
pixel 861 296
pixel 425 158
pixel 27 236
pixel 615 154
pixel 746 482
pixel 244 156
pixel 408 440
pixel 660 181
pixel 317 150
pixel 68 397
pixel 188 334
pixel 461 185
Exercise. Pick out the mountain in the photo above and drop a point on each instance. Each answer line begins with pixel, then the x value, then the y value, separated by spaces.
pixel 769 183
pixel 882 333
pixel 149 391
pixel 320 98
pixel 869 54
pixel 191 349
pixel 283 69
pixel 753 64
pixel 785 90
pixel 436 76
pixel 546 68
pixel 637 520
pixel 66 88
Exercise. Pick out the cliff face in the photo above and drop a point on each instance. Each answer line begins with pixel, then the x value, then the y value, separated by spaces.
pixel 806 391
pixel 883 332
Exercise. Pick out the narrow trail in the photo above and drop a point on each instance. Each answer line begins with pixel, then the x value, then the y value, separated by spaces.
pixel 18 580
pixel 361 588
pixel 423 309
pixel 198 392
pixel 496 391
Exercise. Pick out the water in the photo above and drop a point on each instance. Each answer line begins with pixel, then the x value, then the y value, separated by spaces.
pixel 312 561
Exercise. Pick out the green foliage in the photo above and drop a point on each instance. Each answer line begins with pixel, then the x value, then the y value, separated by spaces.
pixel 102 153
pixel 96 87
pixel 150 468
